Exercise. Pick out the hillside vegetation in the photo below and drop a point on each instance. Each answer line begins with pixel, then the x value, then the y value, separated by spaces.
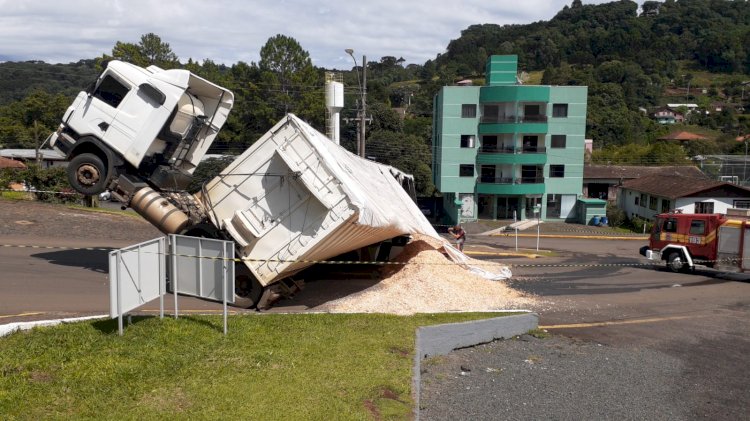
pixel 632 61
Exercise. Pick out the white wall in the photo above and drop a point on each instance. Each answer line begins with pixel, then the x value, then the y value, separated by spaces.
pixel 721 204
pixel 626 202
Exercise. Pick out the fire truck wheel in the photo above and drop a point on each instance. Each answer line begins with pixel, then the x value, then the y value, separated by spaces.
pixel 675 263
pixel 247 289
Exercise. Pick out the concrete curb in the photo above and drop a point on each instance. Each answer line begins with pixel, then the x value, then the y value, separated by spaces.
pixel 9 328
pixel 442 339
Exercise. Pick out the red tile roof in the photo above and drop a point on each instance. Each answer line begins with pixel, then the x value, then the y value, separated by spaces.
pixel 673 187
pixel 629 172
pixel 10 163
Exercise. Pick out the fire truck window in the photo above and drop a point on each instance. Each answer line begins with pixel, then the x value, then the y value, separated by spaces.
pixel 697 227
pixel 670 225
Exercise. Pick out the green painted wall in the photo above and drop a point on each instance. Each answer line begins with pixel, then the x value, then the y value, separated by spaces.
pixel 501 70
pixel 528 93
pixel 574 128
pixel 449 128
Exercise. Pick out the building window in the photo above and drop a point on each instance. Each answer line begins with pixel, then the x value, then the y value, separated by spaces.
pixel 111 91
pixel 468 111
pixel 704 207
pixel 643 200
pixel 636 200
pixel 741 204
pixel 652 202
pixel 557 171
pixel 558 140
pixel 466 170
pixel 467 140
pixel 665 206
pixel 559 110
pixel 697 227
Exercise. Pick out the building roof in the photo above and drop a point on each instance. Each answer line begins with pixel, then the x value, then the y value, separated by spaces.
pixel 48 154
pixel 629 172
pixel 682 136
pixel 673 187
pixel 10 163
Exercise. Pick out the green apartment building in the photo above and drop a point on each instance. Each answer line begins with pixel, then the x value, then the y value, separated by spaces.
pixel 506 148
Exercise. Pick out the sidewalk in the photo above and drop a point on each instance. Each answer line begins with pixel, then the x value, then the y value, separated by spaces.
pixel 554 230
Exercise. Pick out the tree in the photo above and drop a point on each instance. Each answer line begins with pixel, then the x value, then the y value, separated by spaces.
pixel 291 82
pixel 150 50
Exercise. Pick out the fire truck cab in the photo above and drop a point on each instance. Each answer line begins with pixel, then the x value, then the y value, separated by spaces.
pixel 685 240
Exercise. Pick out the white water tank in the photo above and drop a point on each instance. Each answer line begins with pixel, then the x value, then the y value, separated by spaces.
pixel 334 104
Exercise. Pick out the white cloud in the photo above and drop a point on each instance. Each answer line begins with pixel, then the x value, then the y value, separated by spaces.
pixel 227 31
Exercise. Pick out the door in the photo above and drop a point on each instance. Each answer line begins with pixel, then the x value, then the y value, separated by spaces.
pixel 488 174
pixel 94 111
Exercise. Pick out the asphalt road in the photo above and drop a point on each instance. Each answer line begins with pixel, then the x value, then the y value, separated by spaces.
pixel 629 340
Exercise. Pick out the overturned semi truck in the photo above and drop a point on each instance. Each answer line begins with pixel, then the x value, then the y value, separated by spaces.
pixel 295 198
pixel 292 199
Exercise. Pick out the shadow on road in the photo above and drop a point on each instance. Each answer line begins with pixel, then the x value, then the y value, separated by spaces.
pixel 94 260
pixel 608 280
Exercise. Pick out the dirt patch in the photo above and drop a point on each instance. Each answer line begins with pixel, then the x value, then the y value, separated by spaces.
pixel 44 220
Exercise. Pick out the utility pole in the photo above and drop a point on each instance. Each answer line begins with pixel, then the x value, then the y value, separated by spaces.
pixel 363 117
pixel 363 112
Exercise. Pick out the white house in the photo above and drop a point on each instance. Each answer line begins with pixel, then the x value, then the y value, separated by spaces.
pixel 48 157
pixel 651 195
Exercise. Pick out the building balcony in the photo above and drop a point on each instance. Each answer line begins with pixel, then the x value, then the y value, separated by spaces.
pixel 494 119
pixel 535 118
pixel 485 179
pixel 512 150
pixel 511 186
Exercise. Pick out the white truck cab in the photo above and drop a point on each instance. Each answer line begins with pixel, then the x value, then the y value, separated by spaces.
pixel 136 127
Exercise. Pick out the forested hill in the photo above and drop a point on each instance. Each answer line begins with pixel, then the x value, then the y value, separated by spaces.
pixel 713 33
pixel 19 79
pixel 632 61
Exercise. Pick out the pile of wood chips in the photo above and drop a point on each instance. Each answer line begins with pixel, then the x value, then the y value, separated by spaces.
pixel 428 283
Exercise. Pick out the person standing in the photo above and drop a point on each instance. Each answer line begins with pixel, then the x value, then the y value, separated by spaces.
pixel 460 235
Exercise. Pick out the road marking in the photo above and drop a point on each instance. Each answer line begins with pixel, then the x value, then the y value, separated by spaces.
pixel 20 315
pixel 618 322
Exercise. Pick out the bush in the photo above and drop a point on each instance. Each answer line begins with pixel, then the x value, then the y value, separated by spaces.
pixel 638 224
pixel 615 216
pixel 52 181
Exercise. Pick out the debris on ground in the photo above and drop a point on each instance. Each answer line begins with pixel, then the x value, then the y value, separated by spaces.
pixel 430 282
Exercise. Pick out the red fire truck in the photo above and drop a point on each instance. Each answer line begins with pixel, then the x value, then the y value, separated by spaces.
pixel 714 240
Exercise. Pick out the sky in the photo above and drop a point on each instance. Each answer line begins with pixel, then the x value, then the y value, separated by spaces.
pixel 226 31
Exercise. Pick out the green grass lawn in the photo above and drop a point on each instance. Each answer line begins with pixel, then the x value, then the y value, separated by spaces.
pixel 298 367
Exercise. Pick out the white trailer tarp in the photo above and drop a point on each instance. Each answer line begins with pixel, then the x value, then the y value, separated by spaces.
pixel 295 197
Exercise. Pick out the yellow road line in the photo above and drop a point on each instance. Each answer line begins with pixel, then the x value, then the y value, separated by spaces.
pixel 20 315
pixel 617 322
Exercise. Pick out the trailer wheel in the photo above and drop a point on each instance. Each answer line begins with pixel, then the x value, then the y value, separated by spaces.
pixel 675 263
pixel 247 289
pixel 87 174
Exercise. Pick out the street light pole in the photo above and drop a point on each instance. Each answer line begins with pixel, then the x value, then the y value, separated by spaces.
pixel 363 112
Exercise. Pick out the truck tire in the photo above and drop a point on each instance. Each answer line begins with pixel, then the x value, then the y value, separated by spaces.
pixel 87 174
pixel 247 289
pixel 675 263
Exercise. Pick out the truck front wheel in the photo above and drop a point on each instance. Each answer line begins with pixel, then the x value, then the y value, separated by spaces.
pixel 247 289
pixel 675 263
pixel 87 174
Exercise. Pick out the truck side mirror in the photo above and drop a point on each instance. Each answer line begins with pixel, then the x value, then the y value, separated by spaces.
pixel 152 93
